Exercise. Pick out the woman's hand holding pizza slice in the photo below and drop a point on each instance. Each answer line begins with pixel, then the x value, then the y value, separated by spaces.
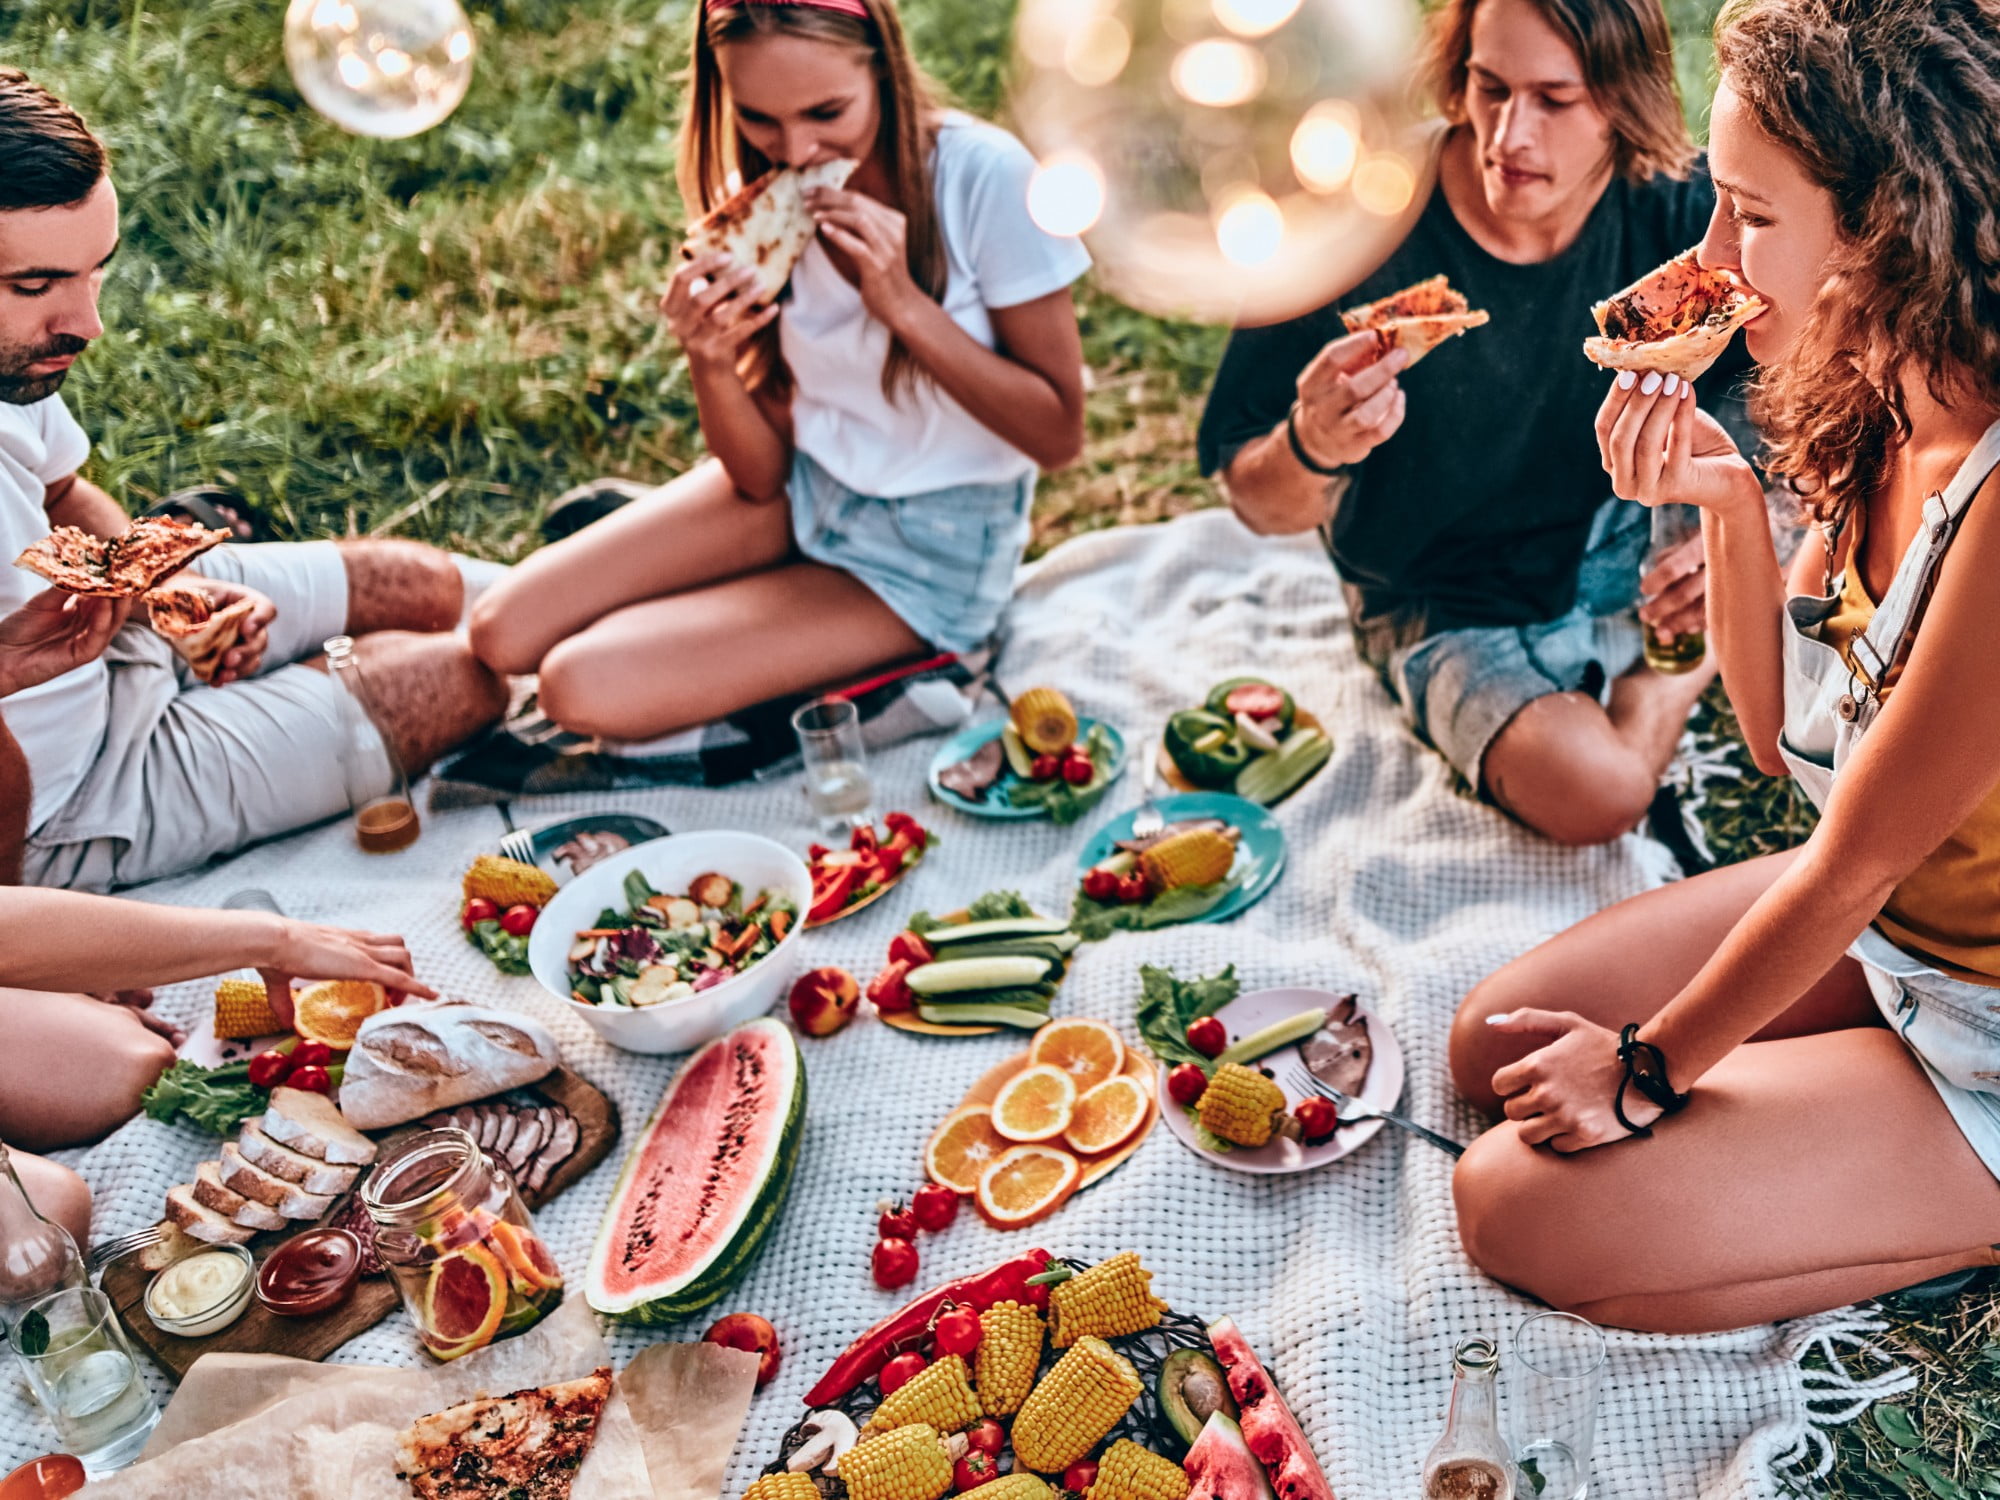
pixel 711 305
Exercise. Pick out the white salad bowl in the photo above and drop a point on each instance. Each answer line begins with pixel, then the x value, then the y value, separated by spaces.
pixel 670 866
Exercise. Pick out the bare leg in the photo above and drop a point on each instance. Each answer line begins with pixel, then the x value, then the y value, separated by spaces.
pixel 71 1068
pixel 692 532
pixel 57 1193
pixel 398 585
pixel 1581 773
pixel 431 692
pixel 669 663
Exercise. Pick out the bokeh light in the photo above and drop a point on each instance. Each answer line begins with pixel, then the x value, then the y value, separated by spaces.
pixel 1255 17
pixel 1066 195
pixel 385 68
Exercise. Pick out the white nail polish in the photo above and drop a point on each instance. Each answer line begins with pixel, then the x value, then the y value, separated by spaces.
pixel 1627 379
pixel 1499 1020
pixel 1673 383
pixel 1686 390
pixel 1650 384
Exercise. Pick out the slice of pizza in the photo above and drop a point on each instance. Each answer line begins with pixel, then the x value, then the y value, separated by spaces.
pixel 120 567
pixel 198 630
pixel 1418 318
pixel 767 224
pixel 1676 320
pixel 524 1446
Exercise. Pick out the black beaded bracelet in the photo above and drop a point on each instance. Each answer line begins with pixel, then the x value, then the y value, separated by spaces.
pixel 1645 1070
pixel 1306 460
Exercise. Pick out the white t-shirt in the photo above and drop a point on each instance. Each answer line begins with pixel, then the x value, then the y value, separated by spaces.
pixel 997 257
pixel 59 725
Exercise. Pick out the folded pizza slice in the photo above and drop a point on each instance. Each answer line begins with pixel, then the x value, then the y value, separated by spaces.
pixel 524 1446
pixel 1418 318
pixel 120 567
pixel 766 223
pixel 199 631
pixel 1676 320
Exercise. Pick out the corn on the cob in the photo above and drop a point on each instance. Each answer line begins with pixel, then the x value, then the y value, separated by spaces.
pixel 1015 1487
pixel 1076 1404
pixel 242 1009
pixel 1197 856
pixel 1129 1472
pixel 1010 1350
pixel 1045 719
pixel 909 1463
pixel 938 1396
pixel 1238 1104
pixel 782 1487
pixel 508 882
pixel 1109 1300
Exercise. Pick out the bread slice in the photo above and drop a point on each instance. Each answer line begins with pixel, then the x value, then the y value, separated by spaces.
pixel 309 1172
pixel 311 1126
pixel 275 1195
pixel 202 1222
pixel 175 1244
pixel 211 1192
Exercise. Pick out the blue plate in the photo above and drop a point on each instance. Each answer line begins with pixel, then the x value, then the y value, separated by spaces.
pixel 966 743
pixel 1260 852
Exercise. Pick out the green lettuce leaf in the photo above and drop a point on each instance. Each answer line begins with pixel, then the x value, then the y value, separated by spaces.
pixel 994 906
pixel 1093 920
pixel 1169 1004
pixel 1061 801
pixel 217 1100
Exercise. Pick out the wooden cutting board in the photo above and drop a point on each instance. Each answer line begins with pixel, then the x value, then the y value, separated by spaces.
pixel 261 1332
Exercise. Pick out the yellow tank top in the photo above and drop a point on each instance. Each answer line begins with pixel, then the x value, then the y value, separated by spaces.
pixel 1945 911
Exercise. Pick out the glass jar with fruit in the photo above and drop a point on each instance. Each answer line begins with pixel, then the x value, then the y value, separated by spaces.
pixel 459 1241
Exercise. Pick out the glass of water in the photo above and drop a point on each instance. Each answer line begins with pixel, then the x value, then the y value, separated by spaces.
pixel 82 1371
pixel 1558 1370
pixel 837 783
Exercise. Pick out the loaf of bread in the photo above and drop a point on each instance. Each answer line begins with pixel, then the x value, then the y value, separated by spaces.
pixel 417 1058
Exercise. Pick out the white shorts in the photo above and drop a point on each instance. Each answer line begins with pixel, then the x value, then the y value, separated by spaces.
pixel 188 771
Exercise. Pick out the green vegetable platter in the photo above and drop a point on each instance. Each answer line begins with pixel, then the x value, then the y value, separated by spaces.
pixel 1248 737
pixel 985 771
pixel 1260 859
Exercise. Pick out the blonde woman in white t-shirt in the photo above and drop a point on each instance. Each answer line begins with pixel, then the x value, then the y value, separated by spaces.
pixel 876 435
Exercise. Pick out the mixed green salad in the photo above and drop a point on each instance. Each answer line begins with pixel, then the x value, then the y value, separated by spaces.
pixel 664 948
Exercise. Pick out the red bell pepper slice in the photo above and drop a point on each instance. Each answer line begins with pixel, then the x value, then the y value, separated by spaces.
pixel 832 889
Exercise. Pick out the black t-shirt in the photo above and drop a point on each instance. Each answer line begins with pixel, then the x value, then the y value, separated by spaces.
pixel 1475 513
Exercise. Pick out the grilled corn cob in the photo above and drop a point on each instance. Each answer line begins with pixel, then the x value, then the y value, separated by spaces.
pixel 1015 1487
pixel 939 1396
pixel 1010 1348
pixel 1129 1472
pixel 1045 719
pixel 782 1487
pixel 1238 1105
pixel 243 1009
pixel 508 882
pixel 1076 1404
pixel 1197 856
pixel 909 1463
pixel 1110 1299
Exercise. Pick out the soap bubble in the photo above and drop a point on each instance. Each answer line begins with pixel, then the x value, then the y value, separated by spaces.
pixel 1230 160
pixel 384 68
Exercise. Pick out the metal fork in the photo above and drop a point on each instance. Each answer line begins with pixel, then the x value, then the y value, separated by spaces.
pixel 1305 1082
pixel 1148 820
pixel 106 1251
pixel 519 846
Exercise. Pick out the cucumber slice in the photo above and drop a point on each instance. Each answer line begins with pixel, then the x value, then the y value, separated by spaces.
pixel 983 1015
pixel 1278 1034
pixel 953 974
pixel 1000 927
pixel 1055 950
pixel 1270 778
pixel 1028 997
pixel 1020 759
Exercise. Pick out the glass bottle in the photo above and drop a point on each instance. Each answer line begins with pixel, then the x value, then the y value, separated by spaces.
pixel 37 1256
pixel 385 815
pixel 1672 526
pixel 1470 1460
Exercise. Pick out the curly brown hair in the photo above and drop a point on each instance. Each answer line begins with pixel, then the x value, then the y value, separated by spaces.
pixel 1892 106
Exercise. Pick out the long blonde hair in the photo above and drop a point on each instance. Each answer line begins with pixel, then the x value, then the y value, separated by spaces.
pixel 711 146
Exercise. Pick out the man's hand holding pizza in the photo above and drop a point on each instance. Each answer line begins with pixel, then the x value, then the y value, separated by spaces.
pixel 247 655
pixel 1349 401
pixel 54 633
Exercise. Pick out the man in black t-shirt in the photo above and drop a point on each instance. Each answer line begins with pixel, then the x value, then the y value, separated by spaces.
pixel 1489 574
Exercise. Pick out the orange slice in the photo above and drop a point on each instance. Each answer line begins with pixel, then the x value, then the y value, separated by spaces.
pixel 1035 1104
pixel 964 1146
pixel 464 1300
pixel 1089 1051
pixel 332 1012
pixel 1026 1184
pixel 1107 1115
pixel 529 1265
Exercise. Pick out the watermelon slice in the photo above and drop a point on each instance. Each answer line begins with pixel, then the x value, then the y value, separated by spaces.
pixel 1269 1427
pixel 705 1180
pixel 1220 1465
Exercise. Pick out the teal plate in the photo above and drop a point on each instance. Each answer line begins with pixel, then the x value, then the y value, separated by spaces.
pixel 1260 852
pixel 967 742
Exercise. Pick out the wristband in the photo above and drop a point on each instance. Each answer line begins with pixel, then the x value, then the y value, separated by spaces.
pixel 1645 1070
pixel 1306 460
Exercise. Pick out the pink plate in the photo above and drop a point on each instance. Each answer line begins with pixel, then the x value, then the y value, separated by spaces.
pixel 1248 1013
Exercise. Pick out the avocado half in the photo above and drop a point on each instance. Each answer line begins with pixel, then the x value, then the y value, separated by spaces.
pixel 1192 1387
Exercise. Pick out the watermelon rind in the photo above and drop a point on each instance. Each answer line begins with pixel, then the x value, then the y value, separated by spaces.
pixel 1269 1429
pixel 673 1299
pixel 1220 1465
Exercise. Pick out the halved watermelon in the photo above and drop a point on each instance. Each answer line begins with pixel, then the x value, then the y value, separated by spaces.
pixel 1269 1427
pixel 705 1180
pixel 1220 1465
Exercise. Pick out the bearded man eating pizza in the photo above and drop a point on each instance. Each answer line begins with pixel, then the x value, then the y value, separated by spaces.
pixel 137 760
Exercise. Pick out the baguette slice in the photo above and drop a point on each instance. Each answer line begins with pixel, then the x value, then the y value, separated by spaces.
pixel 211 1192
pixel 311 1126
pixel 309 1172
pixel 204 1223
pixel 286 1199
pixel 175 1244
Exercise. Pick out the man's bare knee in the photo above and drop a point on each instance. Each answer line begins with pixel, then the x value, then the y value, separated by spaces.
pixel 433 693
pixel 400 585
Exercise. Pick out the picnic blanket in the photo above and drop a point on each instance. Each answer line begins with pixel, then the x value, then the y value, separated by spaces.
pixel 1350 1279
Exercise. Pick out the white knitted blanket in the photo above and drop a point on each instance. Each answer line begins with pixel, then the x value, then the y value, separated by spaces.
pixel 1349 1280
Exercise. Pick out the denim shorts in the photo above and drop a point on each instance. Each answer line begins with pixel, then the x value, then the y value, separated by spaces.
pixel 1460 688
pixel 943 561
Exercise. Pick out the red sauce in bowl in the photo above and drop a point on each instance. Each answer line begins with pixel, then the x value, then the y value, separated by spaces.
pixel 310 1273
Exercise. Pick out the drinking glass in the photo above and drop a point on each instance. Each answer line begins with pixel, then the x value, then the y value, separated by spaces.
pixel 1552 1404
pixel 836 764
pixel 83 1373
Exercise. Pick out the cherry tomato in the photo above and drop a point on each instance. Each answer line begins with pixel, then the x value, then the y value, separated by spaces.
pixel 897 1223
pixel 314 1080
pixel 894 1262
pixel 1079 1476
pixel 269 1069
pixel 910 948
pixel 973 1470
pixel 1132 888
pixel 311 1055
pixel 899 1371
pixel 1187 1083
pixel 1317 1119
pixel 1045 768
pixel 1077 770
pixel 1256 700
pixel 1208 1036
pixel 478 909
pixel 935 1206
pixel 519 921
pixel 957 1331
pixel 393 998
pixel 986 1436
pixel 748 1331
pixel 1100 885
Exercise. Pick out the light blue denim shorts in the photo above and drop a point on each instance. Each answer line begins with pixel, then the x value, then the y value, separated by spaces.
pixel 943 561
pixel 1460 688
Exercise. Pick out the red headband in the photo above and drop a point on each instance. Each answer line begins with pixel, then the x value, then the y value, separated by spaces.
pixel 838 7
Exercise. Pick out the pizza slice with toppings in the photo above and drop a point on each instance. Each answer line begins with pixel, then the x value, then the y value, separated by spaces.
pixel 524 1446
pixel 119 567
pixel 1676 320
pixel 199 631
pixel 1418 318
pixel 766 224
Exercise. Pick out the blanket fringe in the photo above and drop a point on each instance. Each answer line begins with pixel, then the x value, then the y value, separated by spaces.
pixel 1834 1395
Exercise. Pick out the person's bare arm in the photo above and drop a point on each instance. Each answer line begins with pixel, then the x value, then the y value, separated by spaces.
pixel 77 502
pixel 16 797
pixel 709 306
